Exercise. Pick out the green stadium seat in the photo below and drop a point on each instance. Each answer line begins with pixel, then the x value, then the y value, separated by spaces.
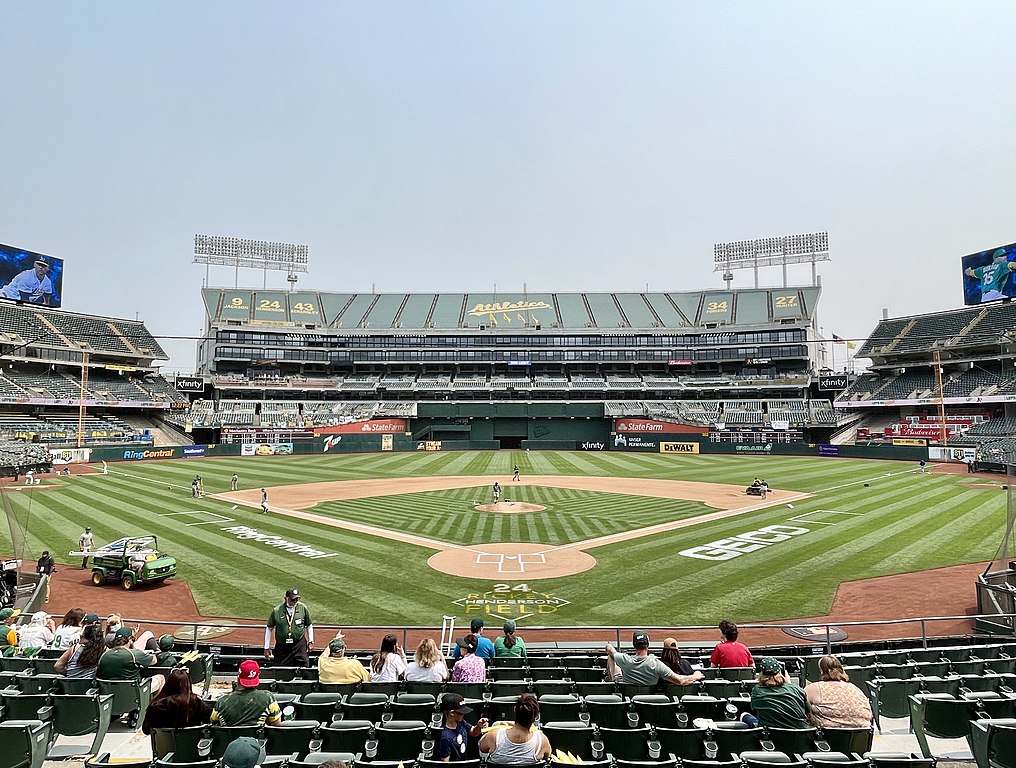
pixel 364 706
pixel 733 738
pixel 559 707
pixel 585 674
pixel 696 706
pixel 835 760
pixel 466 690
pixel 685 743
pixel 299 687
pixel 318 706
pixel 292 737
pixel 26 706
pixel 899 760
pixel 1001 746
pixel 498 708
pixel 223 735
pixel 575 737
pixel 28 683
pixel 402 740
pixel 610 711
pixel 345 689
pixel 540 662
pixel 346 736
pixel 432 689
pixel 510 688
pixel 551 687
pixel 502 674
pixel 593 689
pixel 80 716
pixel 76 685
pixel 383 689
pixel 889 697
pixel 792 741
pixel 632 744
pixel 414 706
pixel 845 740
pixel 655 709
pixel 25 743
pixel 130 697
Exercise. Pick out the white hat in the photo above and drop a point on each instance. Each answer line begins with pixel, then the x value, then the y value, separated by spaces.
pixel 39 617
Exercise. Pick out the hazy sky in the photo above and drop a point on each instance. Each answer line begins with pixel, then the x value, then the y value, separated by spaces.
pixel 427 146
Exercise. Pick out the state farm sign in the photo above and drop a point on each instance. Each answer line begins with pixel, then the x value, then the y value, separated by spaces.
pixel 372 427
pixel 650 426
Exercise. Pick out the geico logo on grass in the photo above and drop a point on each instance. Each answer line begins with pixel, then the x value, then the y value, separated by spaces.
pixel 742 543
pixel 163 454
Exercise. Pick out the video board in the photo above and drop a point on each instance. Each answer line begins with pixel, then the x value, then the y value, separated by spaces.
pixel 30 277
pixel 990 275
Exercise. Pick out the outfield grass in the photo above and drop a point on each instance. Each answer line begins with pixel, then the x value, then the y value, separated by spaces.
pixel 903 522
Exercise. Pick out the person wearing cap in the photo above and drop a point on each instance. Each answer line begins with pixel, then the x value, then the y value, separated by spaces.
pixel 121 662
pixel 37 634
pixel 248 704
pixel 470 668
pixel 294 632
pixel 453 744
pixel 46 567
pixel 640 668
pixel 32 285
pixel 243 752
pixel 484 646
pixel 335 667
pixel 508 644
pixel 671 656
pixel 9 635
pixel 775 702
pixel 165 657
pixel 730 652
pixel 85 544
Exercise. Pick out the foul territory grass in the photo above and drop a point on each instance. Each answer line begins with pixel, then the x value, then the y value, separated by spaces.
pixel 903 521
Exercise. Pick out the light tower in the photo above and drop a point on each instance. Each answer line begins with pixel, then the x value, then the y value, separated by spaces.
pixel 771 252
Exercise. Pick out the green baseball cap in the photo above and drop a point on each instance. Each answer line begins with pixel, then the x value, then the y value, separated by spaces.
pixel 7 613
pixel 338 645
pixel 166 642
pixel 769 666
pixel 123 632
pixel 244 752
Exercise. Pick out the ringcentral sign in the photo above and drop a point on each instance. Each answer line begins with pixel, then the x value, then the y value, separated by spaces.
pixel 743 543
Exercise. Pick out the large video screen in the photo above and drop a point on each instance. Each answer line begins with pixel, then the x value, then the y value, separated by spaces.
pixel 30 277
pixel 990 275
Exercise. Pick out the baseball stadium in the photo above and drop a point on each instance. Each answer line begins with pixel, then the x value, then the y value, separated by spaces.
pixel 574 465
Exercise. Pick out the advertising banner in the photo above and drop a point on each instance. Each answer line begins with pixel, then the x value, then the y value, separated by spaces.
pixel 194 451
pixel 650 426
pixel 590 445
pixel 679 448
pixel 387 442
pixel 69 455
pixel 824 449
pixel 192 385
pixel 952 454
pixel 266 434
pixel 266 449
pixel 914 441
pixel 428 445
pixel 374 426
pixel 832 382
pixel 623 442
pixel 134 454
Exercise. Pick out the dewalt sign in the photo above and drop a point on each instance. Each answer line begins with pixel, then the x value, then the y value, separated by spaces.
pixel 679 447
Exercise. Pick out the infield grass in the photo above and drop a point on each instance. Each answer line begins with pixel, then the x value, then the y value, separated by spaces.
pixel 902 522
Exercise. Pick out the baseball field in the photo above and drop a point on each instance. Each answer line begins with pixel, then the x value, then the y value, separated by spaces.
pixel 581 538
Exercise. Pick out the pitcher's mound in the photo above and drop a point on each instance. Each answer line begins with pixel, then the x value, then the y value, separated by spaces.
pixel 509 507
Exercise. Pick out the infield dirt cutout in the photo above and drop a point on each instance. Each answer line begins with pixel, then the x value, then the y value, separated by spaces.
pixel 501 560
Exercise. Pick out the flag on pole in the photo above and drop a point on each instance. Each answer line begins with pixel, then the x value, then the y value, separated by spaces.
pixel 838 340
pixel 851 346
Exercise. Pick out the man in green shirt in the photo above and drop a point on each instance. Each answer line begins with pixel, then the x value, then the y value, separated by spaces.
pixel 8 635
pixel 121 662
pixel 294 632
pixel 247 705
pixel 166 657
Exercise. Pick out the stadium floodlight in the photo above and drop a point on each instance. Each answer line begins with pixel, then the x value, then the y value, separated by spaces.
pixel 771 252
pixel 239 252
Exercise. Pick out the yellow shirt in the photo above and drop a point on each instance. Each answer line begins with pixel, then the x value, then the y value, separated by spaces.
pixel 340 669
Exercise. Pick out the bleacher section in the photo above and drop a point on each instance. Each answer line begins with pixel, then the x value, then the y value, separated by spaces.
pixel 25 325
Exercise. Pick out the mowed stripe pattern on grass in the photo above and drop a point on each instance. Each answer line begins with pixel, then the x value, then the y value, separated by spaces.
pixel 902 522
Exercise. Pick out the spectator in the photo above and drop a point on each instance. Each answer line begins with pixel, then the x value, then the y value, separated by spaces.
pixel 671 656
pixel 165 656
pixel 509 645
pixel 731 653
pixel 335 667
pixel 243 752
pixel 835 701
pixel 141 641
pixel 428 664
pixel 776 702
pixel 82 656
pixel 39 633
pixel 8 634
pixel 121 662
pixel 69 629
pixel 484 647
pixel 454 741
pixel 248 704
pixel 389 664
pixel 640 668
pixel 470 668
pixel 177 706
pixel 520 744
pixel 294 632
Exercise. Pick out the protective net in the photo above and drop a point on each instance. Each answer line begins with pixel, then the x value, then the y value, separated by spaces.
pixel 996 588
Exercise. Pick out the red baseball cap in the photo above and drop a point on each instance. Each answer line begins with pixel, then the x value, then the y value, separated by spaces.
pixel 250 674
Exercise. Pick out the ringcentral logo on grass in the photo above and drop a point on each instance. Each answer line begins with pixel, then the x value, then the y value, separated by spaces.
pixel 251 534
pixel 743 543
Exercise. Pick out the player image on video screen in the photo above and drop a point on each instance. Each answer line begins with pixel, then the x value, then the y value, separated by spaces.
pixel 990 275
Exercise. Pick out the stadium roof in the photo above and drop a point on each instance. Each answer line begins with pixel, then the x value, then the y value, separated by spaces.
pixel 509 310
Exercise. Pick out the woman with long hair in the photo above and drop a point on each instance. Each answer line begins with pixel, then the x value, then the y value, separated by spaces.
pixel 835 701
pixel 176 705
pixel 519 744
pixel 671 656
pixel 82 657
pixel 69 629
pixel 389 664
pixel 509 644
pixel 428 664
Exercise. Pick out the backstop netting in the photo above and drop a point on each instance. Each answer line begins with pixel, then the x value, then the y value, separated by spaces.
pixel 18 579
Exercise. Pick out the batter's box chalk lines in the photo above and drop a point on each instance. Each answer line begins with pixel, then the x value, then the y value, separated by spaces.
pixel 510 563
